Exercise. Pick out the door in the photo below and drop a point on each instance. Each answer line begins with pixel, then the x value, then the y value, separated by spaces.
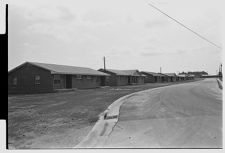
pixel 155 80
pixel 129 79
pixel 103 80
pixel 68 81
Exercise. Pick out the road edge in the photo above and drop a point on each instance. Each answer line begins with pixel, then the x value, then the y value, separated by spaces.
pixel 104 125
pixel 220 84
pixel 107 120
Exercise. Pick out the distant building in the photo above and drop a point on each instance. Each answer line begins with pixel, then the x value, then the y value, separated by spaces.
pixel 186 76
pixel 198 74
pixel 210 76
pixel 123 77
pixel 31 77
pixel 165 78
pixel 152 77
pixel 181 77
pixel 171 77
pixel 190 77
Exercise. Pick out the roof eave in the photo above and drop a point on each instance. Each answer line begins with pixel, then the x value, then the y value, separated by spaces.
pixel 53 72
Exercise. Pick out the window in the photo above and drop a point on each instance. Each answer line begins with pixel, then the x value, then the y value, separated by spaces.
pixel 89 77
pixel 79 76
pixel 98 79
pixel 37 79
pixel 56 81
pixel 15 81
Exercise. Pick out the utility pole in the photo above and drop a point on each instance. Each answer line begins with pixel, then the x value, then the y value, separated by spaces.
pixel 220 70
pixel 160 70
pixel 104 62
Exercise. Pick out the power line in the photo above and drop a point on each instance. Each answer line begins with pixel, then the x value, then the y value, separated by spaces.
pixel 185 27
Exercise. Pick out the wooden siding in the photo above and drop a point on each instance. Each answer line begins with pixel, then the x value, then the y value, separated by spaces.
pixel 122 80
pixel 84 82
pixel 111 80
pixel 79 83
pixel 141 80
pixel 151 79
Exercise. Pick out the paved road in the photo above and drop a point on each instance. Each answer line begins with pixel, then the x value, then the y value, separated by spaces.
pixel 180 116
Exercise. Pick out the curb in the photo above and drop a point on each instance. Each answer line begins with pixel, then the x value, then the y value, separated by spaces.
pixel 106 122
pixel 103 127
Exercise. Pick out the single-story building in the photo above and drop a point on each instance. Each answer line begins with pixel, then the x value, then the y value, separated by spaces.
pixel 164 77
pixel 181 77
pixel 32 77
pixel 171 77
pixel 152 77
pixel 135 77
pixel 190 77
pixel 123 77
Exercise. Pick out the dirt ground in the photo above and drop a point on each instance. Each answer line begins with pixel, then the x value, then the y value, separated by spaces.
pixel 60 120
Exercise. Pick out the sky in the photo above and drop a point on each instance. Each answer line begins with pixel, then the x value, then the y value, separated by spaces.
pixel 129 33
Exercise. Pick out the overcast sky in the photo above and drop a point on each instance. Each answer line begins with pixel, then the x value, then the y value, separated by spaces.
pixel 130 33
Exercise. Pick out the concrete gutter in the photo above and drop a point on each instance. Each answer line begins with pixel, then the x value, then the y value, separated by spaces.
pixel 220 84
pixel 104 126
pixel 107 121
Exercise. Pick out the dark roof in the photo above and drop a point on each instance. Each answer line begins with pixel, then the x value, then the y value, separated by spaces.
pixel 133 72
pixel 152 73
pixel 64 69
pixel 124 72
pixel 170 74
pixel 117 72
